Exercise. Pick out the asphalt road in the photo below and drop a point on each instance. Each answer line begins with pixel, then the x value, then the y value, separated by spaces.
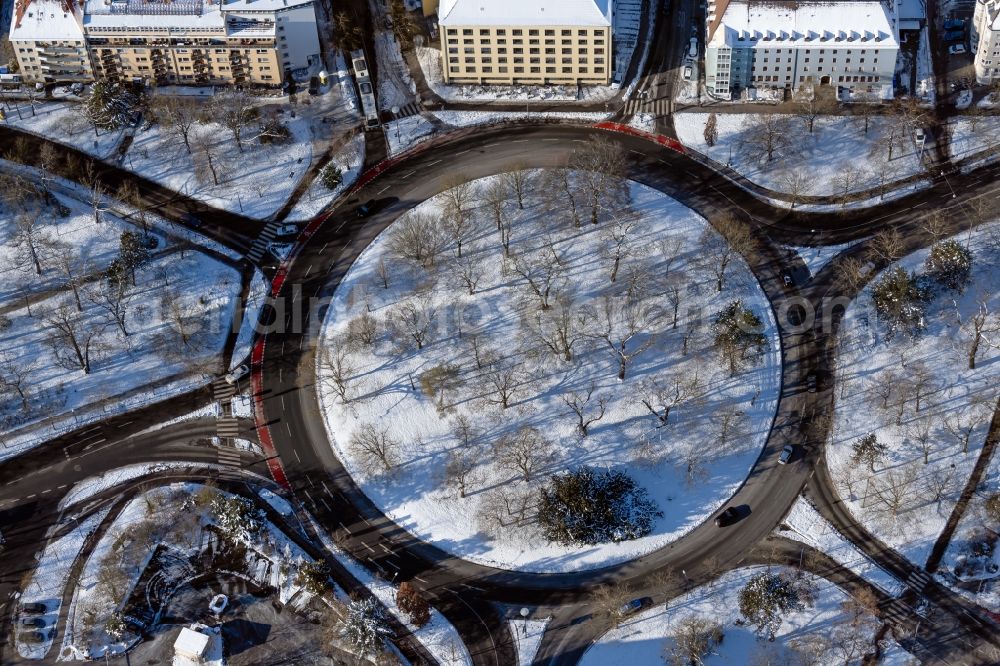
pixel 320 481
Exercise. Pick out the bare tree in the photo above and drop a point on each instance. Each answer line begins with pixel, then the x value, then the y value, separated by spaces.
pixel 619 238
pixel 416 319
pixel 719 250
pixel 518 182
pixel 502 380
pixel 523 451
pixel 558 328
pixel 846 181
pixel 730 427
pixel 15 375
pixel 961 423
pixel 419 238
pixel 979 328
pixel 852 275
pixel 114 296
pixel 765 135
pixel 383 273
pixel 812 108
pixel 693 639
pixel 541 272
pixel 797 184
pixel 336 371
pixel 503 507
pixel 920 433
pixel 71 334
pixel 497 197
pixel 663 396
pixel 184 319
pixel 626 327
pixel 374 449
pixel 885 172
pixel 601 172
pixel 566 203
pixel 610 600
pixel 463 459
pixel 457 215
pixel 208 160
pixel 578 402
pixel 178 115
pixel 468 271
pixel 30 238
pixel 362 330
pixel 892 488
pixel 234 109
pixel 886 246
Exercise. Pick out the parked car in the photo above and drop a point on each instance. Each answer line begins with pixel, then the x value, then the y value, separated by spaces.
pixel 954 24
pixel 34 622
pixel 956 49
pixel 688 72
pixel 693 48
pixel 237 374
pixel 288 230
pixel 811 383
pixel 33 608
pixel 954 35
pixel 786 454
pixel 919 136
pixel 727 517
pixel 634 606
pixel 313 85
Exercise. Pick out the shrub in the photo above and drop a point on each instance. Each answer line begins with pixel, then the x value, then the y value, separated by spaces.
pixel 900 301
pixel 763 600
pixel 949 264
pixel 411 602
pixel 331 176
pixel 739 335
pixel 589 506
pixel 313 577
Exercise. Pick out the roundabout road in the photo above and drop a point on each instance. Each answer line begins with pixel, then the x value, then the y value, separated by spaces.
pixel 461 589
pixel 297 429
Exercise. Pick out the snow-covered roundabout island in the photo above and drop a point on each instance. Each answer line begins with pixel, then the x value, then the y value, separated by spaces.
pixel 476 349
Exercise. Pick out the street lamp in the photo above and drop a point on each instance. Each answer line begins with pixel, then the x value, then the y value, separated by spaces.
pixel 949 184
pixel 524 616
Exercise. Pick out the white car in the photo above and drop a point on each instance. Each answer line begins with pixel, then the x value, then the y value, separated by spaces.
pixel 786 454
pixel 237 374
pixel 919 136
pixel 287 230
pixel 693 48
pixel 688 72
pixel 956 49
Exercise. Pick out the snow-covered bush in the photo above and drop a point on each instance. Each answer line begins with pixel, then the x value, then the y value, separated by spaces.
pixel 111 105
pixel 115 626
pixel 765 597
pixel 332 176
pixel 237 518
pixel 588 506
pixel 365 627
pixel 411 602
pixel 949 264
pixel 313 577
pixel 900 301
pixel 694 639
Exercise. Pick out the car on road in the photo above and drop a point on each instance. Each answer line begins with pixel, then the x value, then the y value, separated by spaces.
pixel 811 383
pixel 287 230
pixel 688 72
pixel 33 608
pixel 366 209
pixel 956 49
pixel 786 454
pixel 633 606
pixel 237 374
pixel 727 517
pixel 693 48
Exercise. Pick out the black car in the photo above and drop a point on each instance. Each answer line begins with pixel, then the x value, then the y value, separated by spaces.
pixel 954 35
pixel 33 608
pixel 313 85
pixel 366 209
pixel 727 517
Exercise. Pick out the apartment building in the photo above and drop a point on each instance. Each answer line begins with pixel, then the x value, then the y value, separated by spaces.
pixel 785 44
pixel 185 42
pixel 526 41
pixel 986 40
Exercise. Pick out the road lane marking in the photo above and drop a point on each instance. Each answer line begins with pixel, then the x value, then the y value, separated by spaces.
pixel 382 190
pixel 436 162
pixel 308 271
pixel 323 249
pixel 294 451
pixel 122 425
pixel 407 175
pixel 289 431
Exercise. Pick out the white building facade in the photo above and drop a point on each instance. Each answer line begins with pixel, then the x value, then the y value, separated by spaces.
pixel 785 45
pixel 986 40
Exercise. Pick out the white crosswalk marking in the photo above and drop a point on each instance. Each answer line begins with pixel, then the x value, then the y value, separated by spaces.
pixel 228 427
pixel 260 243
pixel 657 107
pixel 222 390
pixel 410 109
pixel 229 457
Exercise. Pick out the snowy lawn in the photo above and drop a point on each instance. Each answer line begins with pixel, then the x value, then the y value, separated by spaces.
pixel 467 118
pixel 255 182
pixel 65 122
pixel 835 154
pixel 50 577
pixel 822 627
pixel 257 293
pixel 528 636
pixel 407 132
pixel 482 341
pixel 810 528
pixel 922 403
pixel 816 258
pixel 972 135
pixel 430 63
pixel 350 158
pixel 395 87
pixel 140 359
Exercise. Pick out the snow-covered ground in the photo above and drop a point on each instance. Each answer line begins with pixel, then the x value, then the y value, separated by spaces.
pixel 430 63
pixel 50 577
pixel 908 498
pixel 686 478
pixel 816 258
pixel 645 122
pixel 395 86
pixel 837 148
pixel 148 364
pixel 528 636
pixel 255 182
pixel 256 295
pixel 440 638
pixel 467 118
pixel 93 485
pixel 350 158
pixel 824 626
pixel 64 122
pixel 969 136
pixel 407 132
pixel 810 528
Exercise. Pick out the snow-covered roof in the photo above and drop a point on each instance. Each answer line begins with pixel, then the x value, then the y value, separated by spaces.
pixel 183 14
pixel 190 643
pixel 589 13
pixel 46 19
pixel 778 22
